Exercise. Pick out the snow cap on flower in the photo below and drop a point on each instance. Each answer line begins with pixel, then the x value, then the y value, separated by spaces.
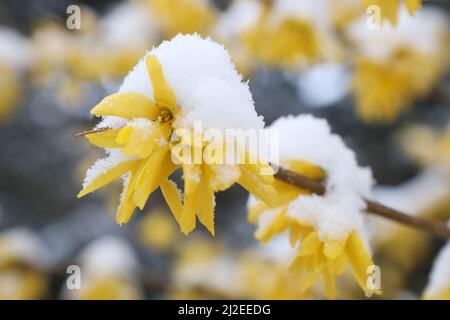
pixel 205 82
pixel 424 33
pixel 439 282
pixel 129 23
pixel 339 211
pixel 23 245
pixel 108 256
pixel 239 17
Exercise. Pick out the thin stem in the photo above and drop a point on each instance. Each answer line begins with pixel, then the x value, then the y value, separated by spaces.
pixel 373 207
pixel 80 134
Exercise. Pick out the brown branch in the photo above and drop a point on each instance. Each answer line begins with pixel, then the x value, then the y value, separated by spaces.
pixel 373 207
pixel 80 134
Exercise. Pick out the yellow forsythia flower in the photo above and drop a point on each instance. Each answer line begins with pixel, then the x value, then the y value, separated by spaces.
pixel 157 230
pixel 22 266
pixel 389 8
pixel 145 145
pixel 183 16
pixel 427 146
pixel 108 272
pixel 328 230
pixel 396 66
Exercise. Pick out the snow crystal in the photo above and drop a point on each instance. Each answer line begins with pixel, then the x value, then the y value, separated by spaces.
pixel 205 81
pixel 108 255
pixel 339 211
pixel 422 32
pixel 101 166
pixel 440 274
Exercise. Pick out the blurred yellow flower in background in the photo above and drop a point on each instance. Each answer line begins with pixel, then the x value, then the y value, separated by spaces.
pixel 183 16
pixel 158 230
pixel 389 8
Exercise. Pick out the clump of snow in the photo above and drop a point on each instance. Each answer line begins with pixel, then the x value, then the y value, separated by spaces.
pixel 422 32
pixel 15 50
pixel 24 245
pixel 111 122
pixel 340 210
pixel 315 12
pixel 108 255
pixel 239 17
pixel 440 274
pixel 323 84
pixel 205 81
pixel 101 166
pixel 129 23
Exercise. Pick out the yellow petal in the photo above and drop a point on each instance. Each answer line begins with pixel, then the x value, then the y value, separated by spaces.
pixel 255 210
pixel 257 185
pixel 277 226
pixel 172 196
pixel 333 248
pixel 310 244
pixel 305 168
pixel 157 168
pixel 192 176
pixel 359 259
pixel 206 204
pixel 127 105
pixel 413 5
pixel 329 283
pixel 162 92
pixel 104 139
pixel 105 178
pixel 127 206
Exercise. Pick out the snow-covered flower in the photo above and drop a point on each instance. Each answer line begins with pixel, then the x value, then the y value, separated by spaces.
pixel 427 146
pixel 183 81
pixel 238 274
pixel 108 272
pixel 23 263
pixel 397 65
pixel 439 282
pixel 183 16
pixel 330 230
pixel 292 33
pixel 388 9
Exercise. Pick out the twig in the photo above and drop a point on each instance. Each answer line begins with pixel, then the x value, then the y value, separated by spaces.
pixel 373 207
pixel 80 134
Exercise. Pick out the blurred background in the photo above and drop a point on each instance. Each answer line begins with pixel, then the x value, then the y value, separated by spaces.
pixel 385 91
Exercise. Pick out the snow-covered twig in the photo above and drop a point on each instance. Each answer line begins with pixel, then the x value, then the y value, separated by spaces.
pixel 373 207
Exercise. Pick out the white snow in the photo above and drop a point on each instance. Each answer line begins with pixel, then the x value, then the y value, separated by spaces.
pixel 439 278
pixel 422 32
pixel 239 17
pixel 108 255
pixel 101 166
pixel 323 84
pixel 205 81
pixel 129 24
pixel 24 244
pixel 15 49
pixel 339 211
